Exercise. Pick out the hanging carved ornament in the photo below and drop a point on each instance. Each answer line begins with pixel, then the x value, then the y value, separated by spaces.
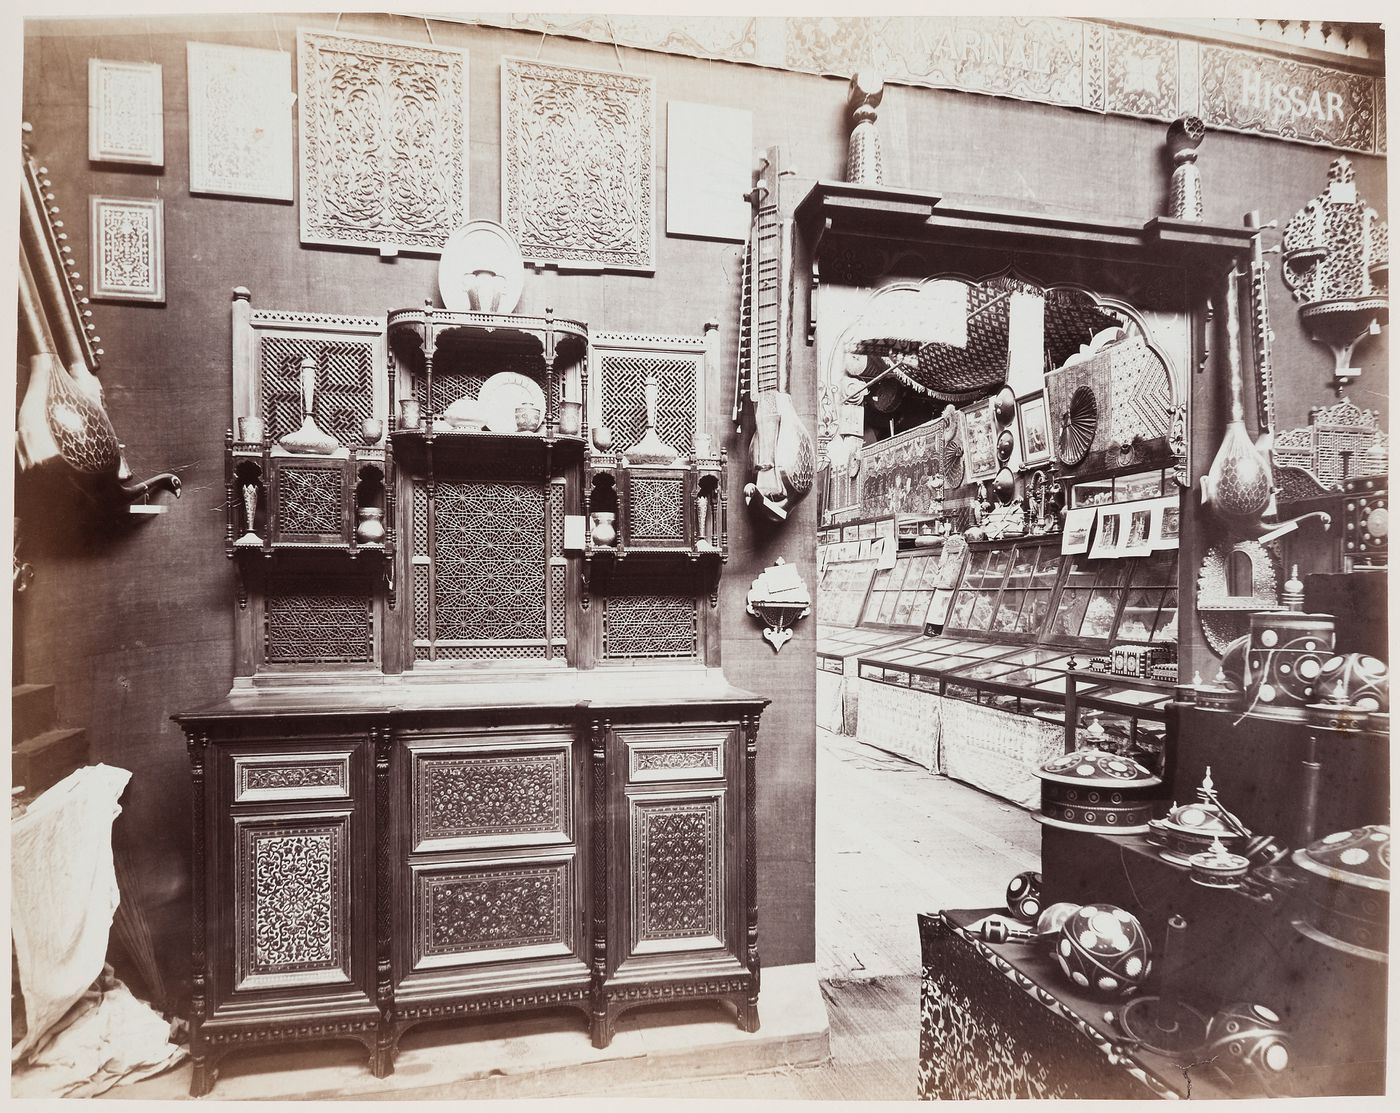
pixel 1224 613
pixel 383 139
pixel 578 165
pixel 1336 260
pixel 1077 424
pixel 954 466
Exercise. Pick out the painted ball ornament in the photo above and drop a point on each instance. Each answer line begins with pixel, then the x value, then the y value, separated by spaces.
pixel 1248 1041
pixel 1024 898
pixel 1053 918
pixel 1103 949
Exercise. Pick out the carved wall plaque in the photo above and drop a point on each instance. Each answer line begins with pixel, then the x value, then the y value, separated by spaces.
pixel 127 237
pixel 240 121
pixel 383 129
pixel 578 165
pixel 125 120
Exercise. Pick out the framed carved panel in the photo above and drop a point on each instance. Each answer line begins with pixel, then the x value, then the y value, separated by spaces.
pixel 578 165
pixel 656 508
pixel 265 778
pixel 489 911
pixel 127 238
pixel 291 901
pixel 509 791
pixel 125 115
pixel 383 129
pixel 677 866
pixel 318 621
pixel 688 753
pixel 240 118
pixel 311 501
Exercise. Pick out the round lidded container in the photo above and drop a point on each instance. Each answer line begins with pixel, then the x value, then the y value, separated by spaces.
pixel 1096 790
pixel 1348 891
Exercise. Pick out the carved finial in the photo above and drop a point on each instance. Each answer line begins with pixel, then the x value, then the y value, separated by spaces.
pixel 864 164
pixel 242 293
pixel 1183 137
pixel 1207 783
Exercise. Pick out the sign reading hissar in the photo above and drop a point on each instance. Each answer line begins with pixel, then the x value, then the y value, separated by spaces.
pixel 1294 100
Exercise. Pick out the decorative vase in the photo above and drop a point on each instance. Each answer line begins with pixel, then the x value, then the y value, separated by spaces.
pixel 250 430
pixel 410 414
pixel 604 531
pixel 250 510
pixel 570 418
pixel 370 530
pixel 651 449
pixel 484 291
pixel 308 439
pixel 602 438
pixel 527 417
pixel 371 429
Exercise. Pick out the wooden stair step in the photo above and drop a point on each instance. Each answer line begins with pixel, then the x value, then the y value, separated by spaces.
pixel 42 761
pixel 32 707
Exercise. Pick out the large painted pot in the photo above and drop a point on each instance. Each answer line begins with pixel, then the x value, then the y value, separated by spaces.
pixel 1348 895
pixel 1287 650
pixel 1096 790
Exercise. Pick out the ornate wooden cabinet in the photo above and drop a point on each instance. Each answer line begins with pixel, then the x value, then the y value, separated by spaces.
pixel 476 758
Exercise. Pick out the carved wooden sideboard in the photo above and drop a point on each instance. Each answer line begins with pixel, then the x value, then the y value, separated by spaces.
pixel 477 757
pixel 368 860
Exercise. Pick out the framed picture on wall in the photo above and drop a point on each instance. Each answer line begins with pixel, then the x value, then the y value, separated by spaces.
pixel 1034 427
pixel 980 437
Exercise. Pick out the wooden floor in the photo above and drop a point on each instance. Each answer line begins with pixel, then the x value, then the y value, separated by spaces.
pixel 892 841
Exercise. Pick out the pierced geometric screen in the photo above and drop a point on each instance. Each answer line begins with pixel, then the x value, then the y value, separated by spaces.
pixel 454 379
pixel 656 509
pixel 310 500
pixel 650 616
pixel 344 384
pixel 313 621
pixel 623 403
pixel 492 586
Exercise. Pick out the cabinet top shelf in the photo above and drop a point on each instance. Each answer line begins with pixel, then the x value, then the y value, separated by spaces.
pixel 502 328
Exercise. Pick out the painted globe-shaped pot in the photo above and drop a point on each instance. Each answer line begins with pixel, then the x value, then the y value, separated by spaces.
pixel 1361 680
pixel 1103 949
pixel 1023 895
pixel 1247 1041
pixel 1053 918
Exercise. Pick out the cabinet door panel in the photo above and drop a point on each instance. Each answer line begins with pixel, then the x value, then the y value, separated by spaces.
pixel 310 775
pixel 497 910
pixel 291 901
pixel 675 753
pixel 678 872
pixel 503 792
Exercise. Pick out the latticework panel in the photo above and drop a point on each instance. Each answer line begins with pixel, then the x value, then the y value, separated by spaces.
pixel 650 617
pixel 493 586
pixel 318 622
pixel 344 384
pixel 622 400
pixel 310 500
pixel 490 561
pixel 656 509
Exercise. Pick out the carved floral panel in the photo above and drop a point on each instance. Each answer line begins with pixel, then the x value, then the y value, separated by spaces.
pixel 127 238
pixel 240 121
pixel 383 142
pixel 578 165
pixel 677 870
pixel 491 795
pixel 290 903
pixel 125 112
pixel 492 909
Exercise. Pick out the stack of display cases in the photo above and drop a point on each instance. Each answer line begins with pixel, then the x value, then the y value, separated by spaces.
pixel 984 700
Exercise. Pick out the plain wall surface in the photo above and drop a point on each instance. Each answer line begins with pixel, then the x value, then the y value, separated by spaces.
pixel 134 623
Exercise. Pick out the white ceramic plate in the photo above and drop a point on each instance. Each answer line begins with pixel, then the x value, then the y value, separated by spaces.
pixel 499 396
pixel 482 245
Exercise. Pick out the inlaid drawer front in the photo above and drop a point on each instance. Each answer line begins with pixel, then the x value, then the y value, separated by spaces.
pixel 677 872
pixel 674 753
pixel 491 797
pixel 291 901
pixel 493 911
pixel 259 778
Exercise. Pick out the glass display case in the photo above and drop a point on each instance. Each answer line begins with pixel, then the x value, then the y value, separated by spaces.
pixel 842 590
